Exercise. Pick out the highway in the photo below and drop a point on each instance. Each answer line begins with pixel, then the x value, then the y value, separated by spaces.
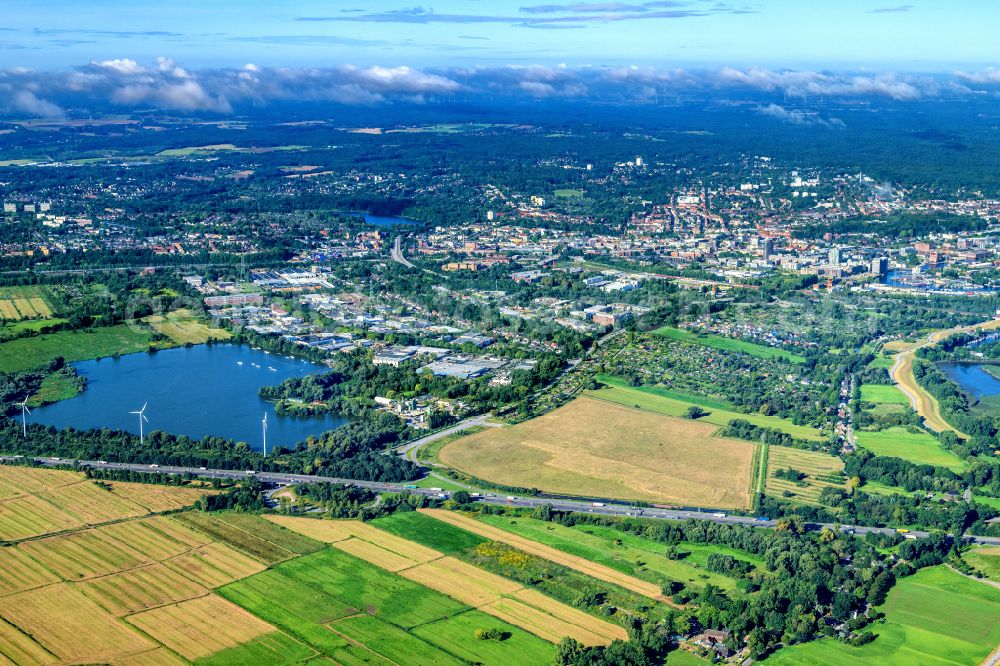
pixel 601 507
pixel 397 253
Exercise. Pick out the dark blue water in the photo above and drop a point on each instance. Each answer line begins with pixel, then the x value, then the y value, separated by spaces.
pixel 380 221
pixel 196 391
pixel 972 378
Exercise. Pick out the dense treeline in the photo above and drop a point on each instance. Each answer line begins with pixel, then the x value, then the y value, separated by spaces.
pixel 743 429
pixel 353 451
pixel 806 579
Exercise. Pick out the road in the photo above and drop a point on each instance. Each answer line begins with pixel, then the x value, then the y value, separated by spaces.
pixel 603 507
pixel 409 450
pixel 397 253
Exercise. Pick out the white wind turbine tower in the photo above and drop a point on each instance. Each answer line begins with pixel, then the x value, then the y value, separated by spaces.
pixel 24 417
pixel 142 417
pixel 263 425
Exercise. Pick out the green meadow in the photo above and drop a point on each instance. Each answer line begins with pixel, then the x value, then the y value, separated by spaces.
pixel 663 401
pixel 935 617
pixel 917 447
pixel 727 344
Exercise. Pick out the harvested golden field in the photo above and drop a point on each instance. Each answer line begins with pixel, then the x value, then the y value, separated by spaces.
pixel 72 626
pixel 593 569
pixel 30 516
pixel 596 448
pixel 461 581
pixel 31 480
pixel 157 498
pixel 822 471
pixel 92 504
pixel 18 572
pixel 214 564
pixel 18 648
pixel 544 625
pixel 158 657
pixel 327 531
pixel 202 626
pixel 83 554
pixel 504 598
pixel 566 613
pixel 375 554
pixel 177 531
pixel 143 536
pixel 140 589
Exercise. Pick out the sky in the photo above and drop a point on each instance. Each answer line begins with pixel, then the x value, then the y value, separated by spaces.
pixel 62 58
pixel 918 36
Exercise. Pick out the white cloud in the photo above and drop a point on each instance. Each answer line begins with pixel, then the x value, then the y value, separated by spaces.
pixel 25 101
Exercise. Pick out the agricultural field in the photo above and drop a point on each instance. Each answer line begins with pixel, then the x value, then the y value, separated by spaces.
pixel 581 564
pixel 184 327
pixel 936 616
pixel 821 471
pixel 673 403
pixel 918 447
pixel 628 554
pixel 346 609
pixel 29 302
pixel 470 585
pixel 37 502
pixel 727 344
pixel 597 448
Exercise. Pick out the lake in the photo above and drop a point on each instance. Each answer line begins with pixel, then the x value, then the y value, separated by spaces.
pixel 193 391
pixel 972 378
pixel 381 221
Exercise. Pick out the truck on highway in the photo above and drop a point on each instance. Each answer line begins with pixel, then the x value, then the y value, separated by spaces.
pixel 719 515
pixel 597 504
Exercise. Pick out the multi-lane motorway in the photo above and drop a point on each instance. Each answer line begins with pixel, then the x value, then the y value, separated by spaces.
pixel 603 507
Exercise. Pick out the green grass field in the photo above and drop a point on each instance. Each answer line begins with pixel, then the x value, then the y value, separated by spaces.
pixel 986 560
pixel 882 361
pixel 54 388
pixel 569 194
pixel 329 599
pixel 392 642
pixel 456 634
pixel 25 353
pixel 657 400
pixel 882 394
pixel 636 556
pixel 430 532
pixel 727 344
pixel 275 648
pixel 935 617
pixel 430 452
pixel 920 448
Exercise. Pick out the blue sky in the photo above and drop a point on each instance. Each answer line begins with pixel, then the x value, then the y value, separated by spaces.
pixel 925 35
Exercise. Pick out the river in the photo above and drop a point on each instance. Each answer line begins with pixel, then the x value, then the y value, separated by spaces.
pixel 193 391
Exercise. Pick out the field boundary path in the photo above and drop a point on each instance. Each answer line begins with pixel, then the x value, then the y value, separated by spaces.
pixel 923 402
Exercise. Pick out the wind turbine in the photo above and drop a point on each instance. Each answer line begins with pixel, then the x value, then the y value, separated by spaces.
pixel 264 428
pixel 24 417
pixel 142 417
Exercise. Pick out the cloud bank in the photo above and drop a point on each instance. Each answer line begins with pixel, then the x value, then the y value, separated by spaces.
pixel 165 85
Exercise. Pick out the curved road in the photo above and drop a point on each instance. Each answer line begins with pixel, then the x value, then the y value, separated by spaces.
pixel 923 402
pixel 604 507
